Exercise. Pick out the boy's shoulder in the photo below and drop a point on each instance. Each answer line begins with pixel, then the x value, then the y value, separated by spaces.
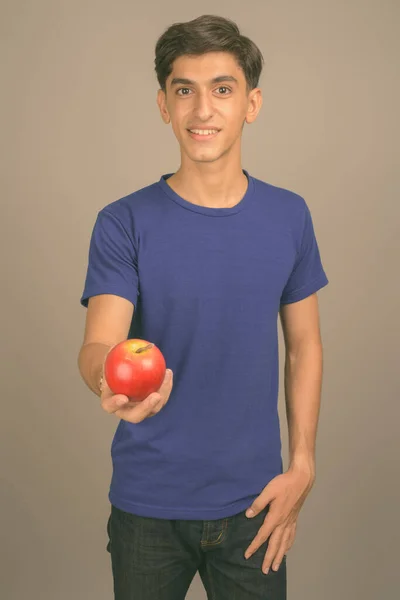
pixel 278 193
pixel 134 202
pixel 150 196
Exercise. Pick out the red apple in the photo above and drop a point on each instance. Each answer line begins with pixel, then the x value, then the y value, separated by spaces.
pixel 135 368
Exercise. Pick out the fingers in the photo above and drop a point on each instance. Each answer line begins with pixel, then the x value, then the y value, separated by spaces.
pixel 279 542
pixel 164 392
pixel 112 402
pixel 258 541
pixel 269 528
pixel 166 386
pixel 135 412
pixel 276 550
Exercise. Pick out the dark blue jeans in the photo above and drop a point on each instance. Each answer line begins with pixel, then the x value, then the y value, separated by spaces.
pixel 156 559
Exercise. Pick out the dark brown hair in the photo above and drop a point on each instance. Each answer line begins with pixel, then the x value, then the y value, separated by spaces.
pixel 208 33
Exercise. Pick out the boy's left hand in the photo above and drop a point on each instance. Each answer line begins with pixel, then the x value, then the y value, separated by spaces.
pixel 286 494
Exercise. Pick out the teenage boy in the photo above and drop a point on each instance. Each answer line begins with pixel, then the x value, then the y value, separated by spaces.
pixel 202 263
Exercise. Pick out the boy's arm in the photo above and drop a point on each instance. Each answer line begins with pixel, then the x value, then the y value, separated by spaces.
pixel 303 380
pixel 108 320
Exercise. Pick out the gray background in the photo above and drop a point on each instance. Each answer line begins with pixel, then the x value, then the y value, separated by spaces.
pixel 80 128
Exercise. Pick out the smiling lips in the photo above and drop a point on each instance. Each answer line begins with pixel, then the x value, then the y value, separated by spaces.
pixel 203 134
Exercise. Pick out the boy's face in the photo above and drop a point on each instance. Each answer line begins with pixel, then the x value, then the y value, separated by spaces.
pixel 208 93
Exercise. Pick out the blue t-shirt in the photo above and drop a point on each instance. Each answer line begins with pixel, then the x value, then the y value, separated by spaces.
pixel 207 285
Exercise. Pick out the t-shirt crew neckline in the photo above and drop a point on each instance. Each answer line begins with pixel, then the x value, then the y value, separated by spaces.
pixel 207 210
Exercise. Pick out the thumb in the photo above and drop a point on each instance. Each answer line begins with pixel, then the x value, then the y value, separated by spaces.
pixel 260 502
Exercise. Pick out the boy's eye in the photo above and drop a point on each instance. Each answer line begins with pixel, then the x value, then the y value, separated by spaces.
pixel 183 90
pixel 186 91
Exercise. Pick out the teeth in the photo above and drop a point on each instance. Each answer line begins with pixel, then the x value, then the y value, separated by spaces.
pixel 203 131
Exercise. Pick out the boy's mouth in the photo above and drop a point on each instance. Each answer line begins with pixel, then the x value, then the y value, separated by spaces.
pixel 203 134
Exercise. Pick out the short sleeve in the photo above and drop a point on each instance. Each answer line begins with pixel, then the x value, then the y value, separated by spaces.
pixel 112 263
pixel 308 275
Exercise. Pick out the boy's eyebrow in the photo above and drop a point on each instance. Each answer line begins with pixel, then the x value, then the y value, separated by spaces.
pixel 219 79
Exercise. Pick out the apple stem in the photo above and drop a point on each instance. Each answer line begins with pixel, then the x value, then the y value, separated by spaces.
pixel 144 348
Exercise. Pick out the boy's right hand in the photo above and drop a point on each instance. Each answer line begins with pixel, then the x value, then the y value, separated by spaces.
pixel 135 412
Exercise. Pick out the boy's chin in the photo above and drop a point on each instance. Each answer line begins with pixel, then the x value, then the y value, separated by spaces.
pixel 204 157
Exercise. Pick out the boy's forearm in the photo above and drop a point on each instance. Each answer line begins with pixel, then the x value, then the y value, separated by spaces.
pixel 303 382
pixel 90 362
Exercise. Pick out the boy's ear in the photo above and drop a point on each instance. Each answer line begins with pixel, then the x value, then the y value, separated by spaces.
pixel 254 106
pixel 162 105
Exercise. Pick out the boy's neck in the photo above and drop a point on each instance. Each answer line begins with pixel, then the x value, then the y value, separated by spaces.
pixel 208 186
